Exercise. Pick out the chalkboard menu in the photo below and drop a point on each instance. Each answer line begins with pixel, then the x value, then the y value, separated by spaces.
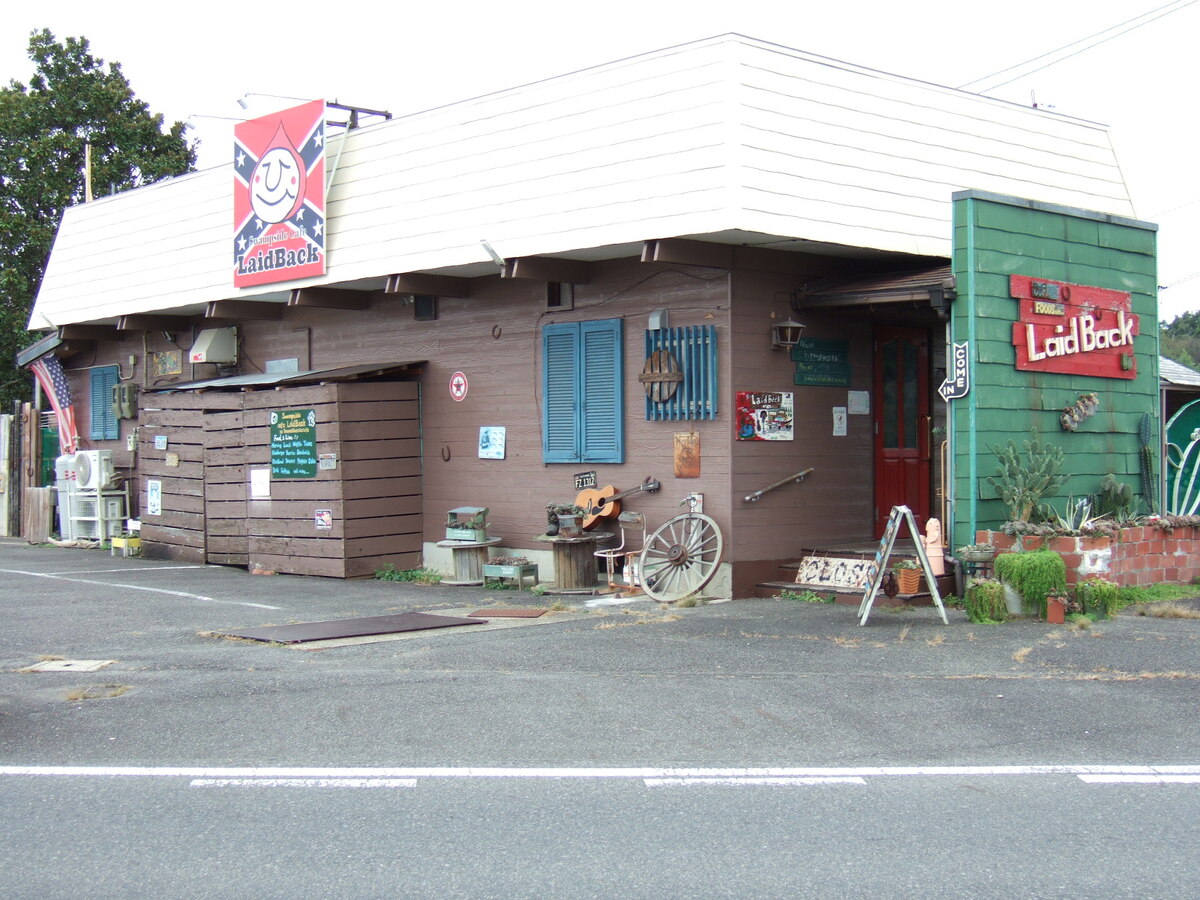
pixel 821 362
pixel 293 443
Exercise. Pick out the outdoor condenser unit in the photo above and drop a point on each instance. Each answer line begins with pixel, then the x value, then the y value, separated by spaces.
pixel 94 470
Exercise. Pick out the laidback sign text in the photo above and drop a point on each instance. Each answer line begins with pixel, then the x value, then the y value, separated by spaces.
pixel 1073 329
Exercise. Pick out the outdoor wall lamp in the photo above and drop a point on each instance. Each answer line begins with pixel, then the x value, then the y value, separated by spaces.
pixel 786 334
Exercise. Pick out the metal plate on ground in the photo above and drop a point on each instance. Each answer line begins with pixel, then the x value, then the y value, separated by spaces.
pixel 68 665
pixel 344 628
pixel 510 612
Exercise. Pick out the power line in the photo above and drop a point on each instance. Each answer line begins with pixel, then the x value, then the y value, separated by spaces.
pixel 1173 7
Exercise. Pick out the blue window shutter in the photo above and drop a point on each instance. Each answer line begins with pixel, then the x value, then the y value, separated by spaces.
pixel 560 376
pixel 104 424
pixel 603 425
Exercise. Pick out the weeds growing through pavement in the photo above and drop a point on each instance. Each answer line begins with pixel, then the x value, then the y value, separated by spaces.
pixel 1168 610
pixel 414 576
pixel 96 692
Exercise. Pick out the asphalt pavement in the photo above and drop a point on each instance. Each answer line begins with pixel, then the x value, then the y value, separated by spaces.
pixel 786 691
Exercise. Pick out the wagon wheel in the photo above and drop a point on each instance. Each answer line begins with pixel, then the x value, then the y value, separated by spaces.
pixel 680 557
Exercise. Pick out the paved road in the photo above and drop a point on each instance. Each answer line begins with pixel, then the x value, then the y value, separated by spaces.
pixel 750 749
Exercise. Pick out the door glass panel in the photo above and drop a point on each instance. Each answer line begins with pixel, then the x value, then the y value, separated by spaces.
pixel 910 395
pixel 890 411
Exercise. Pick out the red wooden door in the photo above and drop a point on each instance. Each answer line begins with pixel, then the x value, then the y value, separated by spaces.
pixel 902 423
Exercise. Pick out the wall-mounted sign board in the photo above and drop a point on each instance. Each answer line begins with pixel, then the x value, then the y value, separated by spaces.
pixel 293 443
pixel 821 362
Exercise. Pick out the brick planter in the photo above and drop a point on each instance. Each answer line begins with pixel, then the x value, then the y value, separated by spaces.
pixel 1136 556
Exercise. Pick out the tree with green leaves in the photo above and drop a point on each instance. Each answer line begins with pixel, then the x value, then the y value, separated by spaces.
pixel 1180 339
pixel 73 99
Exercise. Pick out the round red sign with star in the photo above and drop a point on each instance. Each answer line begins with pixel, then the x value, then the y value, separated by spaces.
pixel 458 386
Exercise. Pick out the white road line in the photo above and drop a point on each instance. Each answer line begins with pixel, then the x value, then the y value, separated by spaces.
pixel 140 571
pixel 1140 779
pixel 484 772
pixel 305 782
pixel 138 587
pixel 690 782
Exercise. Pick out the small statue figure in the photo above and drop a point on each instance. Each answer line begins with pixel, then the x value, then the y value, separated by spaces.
pixel 933 547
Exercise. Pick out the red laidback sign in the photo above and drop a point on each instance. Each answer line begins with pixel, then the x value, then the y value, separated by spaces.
pixel 1073 329
pixel 279 196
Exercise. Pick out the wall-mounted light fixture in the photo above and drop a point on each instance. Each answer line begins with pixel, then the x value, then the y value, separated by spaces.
pixel 659 320
pixel 786 334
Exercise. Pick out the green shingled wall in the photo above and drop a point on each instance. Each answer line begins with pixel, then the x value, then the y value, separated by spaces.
pixel 995 237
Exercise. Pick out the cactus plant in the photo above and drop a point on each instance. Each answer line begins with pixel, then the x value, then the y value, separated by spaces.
pixel 1114 499
pixel 1022 483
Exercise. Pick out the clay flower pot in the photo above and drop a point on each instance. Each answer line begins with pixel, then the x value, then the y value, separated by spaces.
pixel 910 580
pixel 1056 609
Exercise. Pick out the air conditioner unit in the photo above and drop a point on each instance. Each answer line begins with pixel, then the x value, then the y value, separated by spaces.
pixel 94 470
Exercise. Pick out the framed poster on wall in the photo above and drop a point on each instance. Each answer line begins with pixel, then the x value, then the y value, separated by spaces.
pixel 764 416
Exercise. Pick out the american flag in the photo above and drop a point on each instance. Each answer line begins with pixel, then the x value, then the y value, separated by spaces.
pixel 49 373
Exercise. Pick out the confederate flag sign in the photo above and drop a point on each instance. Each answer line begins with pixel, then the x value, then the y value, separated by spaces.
pixel 279 196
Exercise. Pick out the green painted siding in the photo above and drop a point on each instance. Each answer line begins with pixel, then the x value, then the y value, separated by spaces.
pixel 996 237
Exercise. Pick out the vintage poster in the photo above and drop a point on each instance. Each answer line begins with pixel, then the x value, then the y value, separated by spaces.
pixel 764 416
pixel 279 196
pixel 491 441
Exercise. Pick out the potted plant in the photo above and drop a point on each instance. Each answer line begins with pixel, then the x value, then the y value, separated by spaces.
pixel 976 553
pixel 1097 597
pixel 564 519
pixel 1029 577
pixel 908 571
pixel 1056 608
pixel 984 602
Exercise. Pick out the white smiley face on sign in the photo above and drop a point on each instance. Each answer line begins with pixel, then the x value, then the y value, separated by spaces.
pixel 275 186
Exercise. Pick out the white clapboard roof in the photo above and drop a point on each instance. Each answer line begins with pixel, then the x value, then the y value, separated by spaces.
pixel 728 139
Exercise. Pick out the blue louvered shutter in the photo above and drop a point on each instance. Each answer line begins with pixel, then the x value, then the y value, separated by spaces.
pixel 560 376
pixel 583 392
pixel 603 407
pixel 104 424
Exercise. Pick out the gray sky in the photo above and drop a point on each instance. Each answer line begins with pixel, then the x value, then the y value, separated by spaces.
pixel 198 59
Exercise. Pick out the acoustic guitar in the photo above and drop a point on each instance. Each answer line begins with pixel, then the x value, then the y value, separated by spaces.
pixel 606 502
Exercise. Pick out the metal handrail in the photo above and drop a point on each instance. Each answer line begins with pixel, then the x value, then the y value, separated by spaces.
pixel 799 476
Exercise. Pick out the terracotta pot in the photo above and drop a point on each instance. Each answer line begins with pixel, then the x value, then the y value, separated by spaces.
pixel 1056 610
pixel 910 580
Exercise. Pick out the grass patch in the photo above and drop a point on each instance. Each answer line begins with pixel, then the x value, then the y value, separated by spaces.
pixel 96 692
pixel 414 576
pixel 1130 596
pixel 498 584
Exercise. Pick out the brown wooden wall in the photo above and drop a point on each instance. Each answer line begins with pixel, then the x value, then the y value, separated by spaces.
pixel 373 430
pixel 494 337
pixel 834 503
pixel 397 482
pixel 179 532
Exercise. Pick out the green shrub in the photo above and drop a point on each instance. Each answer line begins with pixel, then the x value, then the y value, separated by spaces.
pixel 984 603
pixel 1033 574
